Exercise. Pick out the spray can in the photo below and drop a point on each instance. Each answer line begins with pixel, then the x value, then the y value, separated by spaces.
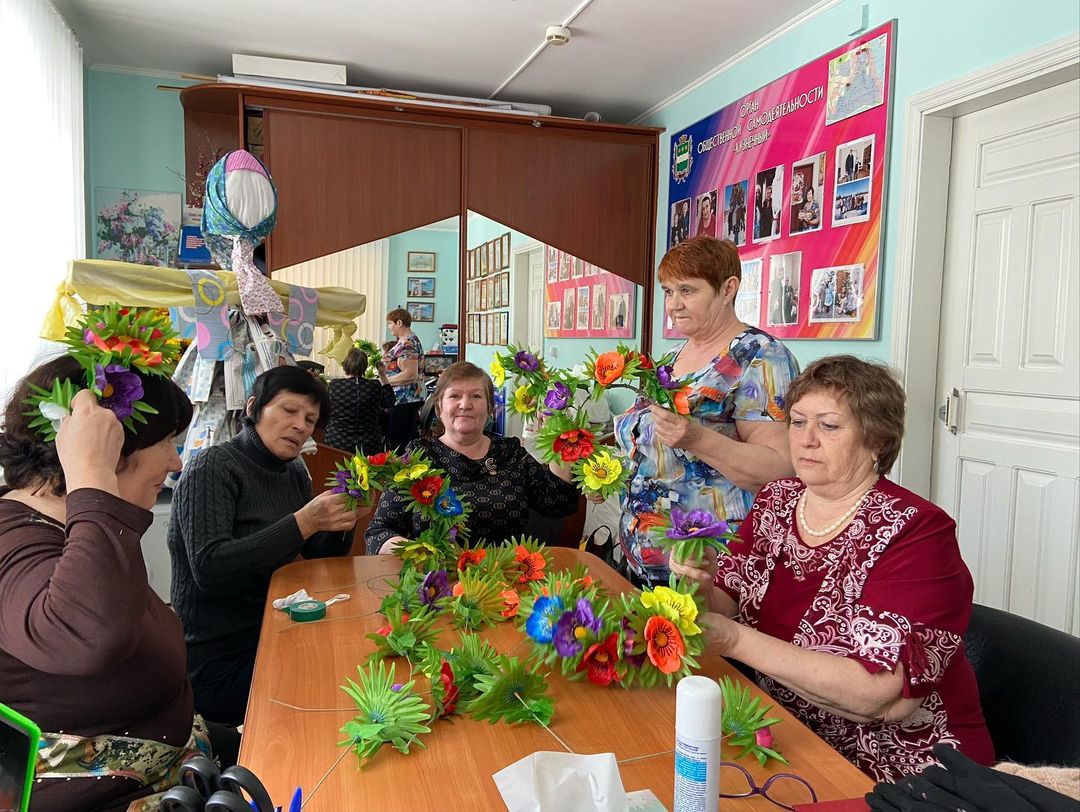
pixel 698 731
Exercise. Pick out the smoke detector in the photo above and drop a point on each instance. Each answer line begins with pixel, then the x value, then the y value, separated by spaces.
pixel 557 35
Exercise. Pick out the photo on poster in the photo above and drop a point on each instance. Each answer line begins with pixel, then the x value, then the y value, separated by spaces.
pixel 851 203
pixel 734 214
pixel 565 261
pixel 748 299
pixel 554 316
pixel 807 194
pixel 578 269
pixel 599 307
pixel 784 279
pixel 768 203
pixel 857 80
pixel 680 222
pixel 836 294
pixel 618 310
pixel 855 160
pixel 552 264
pixel 705 215
pixel 582 308
pixel 568 311
pixel 591 270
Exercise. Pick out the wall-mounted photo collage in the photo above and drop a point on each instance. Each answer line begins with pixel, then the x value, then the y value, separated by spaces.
pixel 487 292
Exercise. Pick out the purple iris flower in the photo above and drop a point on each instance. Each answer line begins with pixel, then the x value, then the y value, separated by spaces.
pixel 558 397
pixel 665 375
pixel 434 587
pixel 573 627
pixel 396 687
pixel 526 361
pixel 342 478
pixel 695 524
pixel 120 388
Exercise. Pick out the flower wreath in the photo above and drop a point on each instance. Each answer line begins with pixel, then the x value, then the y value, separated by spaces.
pixel 111 344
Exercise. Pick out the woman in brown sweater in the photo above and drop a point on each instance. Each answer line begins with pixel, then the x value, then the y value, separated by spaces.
pixel 87 650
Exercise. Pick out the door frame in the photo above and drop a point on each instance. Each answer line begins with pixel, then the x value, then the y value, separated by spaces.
pixel 924 201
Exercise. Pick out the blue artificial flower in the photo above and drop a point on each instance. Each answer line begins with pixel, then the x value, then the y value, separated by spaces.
pixel 449 505
pixel 541 623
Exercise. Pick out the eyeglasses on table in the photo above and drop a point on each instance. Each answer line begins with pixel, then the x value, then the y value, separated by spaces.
pixel 785 790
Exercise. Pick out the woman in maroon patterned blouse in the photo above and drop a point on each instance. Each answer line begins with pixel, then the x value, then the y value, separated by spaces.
pixel 847 593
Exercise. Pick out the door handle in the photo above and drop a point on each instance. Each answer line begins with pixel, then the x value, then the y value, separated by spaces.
pixel 949 411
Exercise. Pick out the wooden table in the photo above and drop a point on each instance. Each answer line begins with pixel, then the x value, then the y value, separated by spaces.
pixel 297 708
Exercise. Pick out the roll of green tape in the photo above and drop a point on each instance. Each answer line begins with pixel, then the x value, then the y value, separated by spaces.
pixel 307 610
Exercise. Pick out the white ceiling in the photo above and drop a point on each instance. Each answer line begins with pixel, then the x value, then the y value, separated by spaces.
pixel 624 58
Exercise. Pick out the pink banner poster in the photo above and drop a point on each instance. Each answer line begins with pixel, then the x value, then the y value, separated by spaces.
pixel 583 301
pixel 794 175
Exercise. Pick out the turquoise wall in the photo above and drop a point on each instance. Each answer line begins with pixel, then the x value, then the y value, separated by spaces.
pixel 935 42
pixel 445 246
pixel 134 137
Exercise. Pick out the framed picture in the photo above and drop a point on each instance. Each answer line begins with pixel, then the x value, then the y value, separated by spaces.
pixel 505 239
pixel 492 267
pixel 483 329
pixel 497 247
pixel 504 289
pixel 421 262
pixel 490 319
pixel 421 311
pixel 504 329
pixel 578 268
pixel 420 287
pixel 472 265
pixel 125 214
pixel 483 295
pixel 565 261
pixel 583 311
pixel 552 264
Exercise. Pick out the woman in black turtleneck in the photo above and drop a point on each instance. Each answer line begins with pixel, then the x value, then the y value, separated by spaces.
pixel 241 510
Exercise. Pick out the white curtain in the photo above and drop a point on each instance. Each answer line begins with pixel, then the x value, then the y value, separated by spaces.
pixel 42 209
pixel 363 269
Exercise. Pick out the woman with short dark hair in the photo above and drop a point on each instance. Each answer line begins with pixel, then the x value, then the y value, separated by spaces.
pixel 847 592
pixel 403 372
pixel 358 404
pixel 241 510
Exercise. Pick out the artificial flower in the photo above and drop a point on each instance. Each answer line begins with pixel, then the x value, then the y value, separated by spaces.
pixel 413 472
pixel 574 445
pixel 531 564
pixel 600 660
pixel 498 371
pixel 470 557
pixel 602 469
pixel 511 603
pixel 384 716
pixel 360 469
pixel 579 371
pixel 573 627
pixel 434 587
pixel 119 388
pixel 397 686
pixel 666 375
pixel 763 737
pixel 54 413
pixel 664 644
pixel 633 660
pixel 526 361
pixel 450 690
pixel 386 629
pixel 675 606
pixel 427 489
pixel 514 693
pixel 449 505
pixel 558 397
pixel 378 459
pixel 541 623
pixel 342 479
pixel 524 401
pixel 644 361
pixel 682 400
pixel 687 524
pixel 609 366
pixel 458 590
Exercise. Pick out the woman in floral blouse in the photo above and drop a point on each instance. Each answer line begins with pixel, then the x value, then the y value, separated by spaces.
pixel 846 592
pixel 403 373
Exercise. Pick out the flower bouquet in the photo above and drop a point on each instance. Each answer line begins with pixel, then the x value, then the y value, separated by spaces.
pixel 661 638
pixel 110 344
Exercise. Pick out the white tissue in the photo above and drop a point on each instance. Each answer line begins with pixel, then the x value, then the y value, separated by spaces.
pixel 556 782
pixel 296 597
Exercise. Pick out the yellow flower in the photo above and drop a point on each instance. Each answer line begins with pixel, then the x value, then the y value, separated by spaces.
pixel 675 606
pixel 601 469
pixel 416 471
pixel 524 402
pixel 419 551
pixel 498 371
pixel 360 465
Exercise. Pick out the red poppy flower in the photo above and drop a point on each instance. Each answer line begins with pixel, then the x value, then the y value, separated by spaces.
pixel 457 589
pixel 531 565
pixel 511 602
pixel 574 445
pixel 450 690
pixel 609 366
pixel 600 659
pixel 377 459
pixel 664 644
pixel 385 630
pixel 644 361
pixel 470 557
pixel 427 489
pixel 682 400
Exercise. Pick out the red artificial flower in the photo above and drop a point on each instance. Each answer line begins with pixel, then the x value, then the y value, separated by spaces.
pixel 511 602
pixel 763 737
pixel 644 361
pixel 531 565
pixel 427 489
pixel 585 580
pixel 664 644
pixel 458 590
pixel 647 521
pixel 600 659
pixel 470 557
pixel 574 445
pixel 385 630
pixel 682 400
pixel 450 689
pixel 377 459
pixel 609 367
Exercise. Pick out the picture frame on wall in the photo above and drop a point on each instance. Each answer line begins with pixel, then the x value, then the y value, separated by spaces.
pixel 504 289
pixel 482 264
pixel 497 247
pixel 490 327
pixel 483 329
pixel 552 265
pixel 492 266
pixel 421 311
pixel 421 262
pixel 483 295
pixel 420 287
pixel 506 249
pixel 504 329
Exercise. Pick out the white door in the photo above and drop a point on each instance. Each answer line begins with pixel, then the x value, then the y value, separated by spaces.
pixel 535 308
pixel 528 318
pixel 1009 346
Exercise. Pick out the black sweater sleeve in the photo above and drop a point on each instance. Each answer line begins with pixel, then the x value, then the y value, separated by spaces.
pixel 547 493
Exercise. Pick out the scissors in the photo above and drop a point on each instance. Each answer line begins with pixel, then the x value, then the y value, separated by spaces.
pixel 205 788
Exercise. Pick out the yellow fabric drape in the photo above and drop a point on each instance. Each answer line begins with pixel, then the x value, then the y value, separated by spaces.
pixel 100 281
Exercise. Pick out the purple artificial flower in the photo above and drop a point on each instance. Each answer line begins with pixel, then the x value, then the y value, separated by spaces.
pixel 526 361
pixel 396 687
pixel 434 587
pixel 558 397
pixel 695 524
pixel 573 627
pixel 119 387
pixel 633 660
pixel 665 375
pixel 342 478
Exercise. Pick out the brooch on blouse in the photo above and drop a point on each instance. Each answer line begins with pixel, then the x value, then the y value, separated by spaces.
pixel 489 466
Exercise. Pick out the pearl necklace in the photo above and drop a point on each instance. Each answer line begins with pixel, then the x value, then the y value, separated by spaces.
pixel 835 525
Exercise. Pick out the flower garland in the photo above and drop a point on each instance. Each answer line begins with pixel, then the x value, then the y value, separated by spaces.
pixel 374 356
pixel 111 344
